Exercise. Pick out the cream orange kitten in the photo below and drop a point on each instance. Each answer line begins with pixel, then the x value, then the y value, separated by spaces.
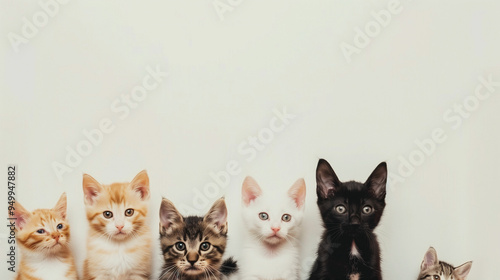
pixel 43 238
pixel 119 240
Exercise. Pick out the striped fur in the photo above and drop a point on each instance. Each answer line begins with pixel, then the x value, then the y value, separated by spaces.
pixel 183 240
pixel 43 236
pixel 119 239
pixel 433 269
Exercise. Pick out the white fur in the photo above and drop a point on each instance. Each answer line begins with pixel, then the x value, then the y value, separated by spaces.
pixel 116 263
pixel 258 261
pixel 46 267
pixel 354 250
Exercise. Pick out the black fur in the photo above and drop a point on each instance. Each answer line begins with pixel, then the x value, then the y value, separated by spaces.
pixel 334 260
pixel 229 266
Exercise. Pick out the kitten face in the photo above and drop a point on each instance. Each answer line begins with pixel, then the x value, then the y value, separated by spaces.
pixel 192 246
pixel 117 211
pixel 273 220
pixel 350 208
pixel 433 269
pixel 43 230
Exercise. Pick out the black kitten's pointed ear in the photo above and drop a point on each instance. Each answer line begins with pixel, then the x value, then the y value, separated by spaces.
pixel 326 180
pixel 170 218
pixel 430 259
pixel 377 180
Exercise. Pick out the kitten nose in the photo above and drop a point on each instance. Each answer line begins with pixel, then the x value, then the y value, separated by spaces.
pixel 119 228
pixel 192 258
pixel 275 229
pixel 56 237
pixel 355 220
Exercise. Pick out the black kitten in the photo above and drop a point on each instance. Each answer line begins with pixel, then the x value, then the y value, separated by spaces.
pixel 350 212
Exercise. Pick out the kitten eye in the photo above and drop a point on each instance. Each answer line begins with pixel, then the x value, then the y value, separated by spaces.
pixel 340 208
pixel 129 212
pixel 107 214
pixel 436 277
pixel 205 246
pixel 286 218
pixel 263 216
pixel 367 209
pixel 40 231
pixel 180 246
pixel 59 226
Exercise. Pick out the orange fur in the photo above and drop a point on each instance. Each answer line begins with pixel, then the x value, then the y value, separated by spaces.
pixel 118 245
pixel 44 255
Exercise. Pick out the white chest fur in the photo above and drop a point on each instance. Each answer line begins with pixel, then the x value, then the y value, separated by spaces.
pixel 117 259
pixel 50 269
pixel 258 263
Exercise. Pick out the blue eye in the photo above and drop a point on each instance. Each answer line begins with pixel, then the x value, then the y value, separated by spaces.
pixel 59 226
pixel 40 231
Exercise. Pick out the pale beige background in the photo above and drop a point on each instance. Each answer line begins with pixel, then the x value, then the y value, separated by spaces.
pixel 225 79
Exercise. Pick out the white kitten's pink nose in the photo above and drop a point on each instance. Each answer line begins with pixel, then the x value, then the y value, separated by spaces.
pixel 275 229
pixel 119 228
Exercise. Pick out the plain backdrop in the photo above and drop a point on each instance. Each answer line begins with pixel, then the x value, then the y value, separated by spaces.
pixel 232 65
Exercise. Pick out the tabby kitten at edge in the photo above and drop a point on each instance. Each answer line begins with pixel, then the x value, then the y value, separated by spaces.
pixel 43 236
pixel 119 239
pixel 350 212
pixel 434 269
pixel 193 246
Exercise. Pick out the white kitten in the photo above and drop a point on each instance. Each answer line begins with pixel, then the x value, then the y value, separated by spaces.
pixel 272 226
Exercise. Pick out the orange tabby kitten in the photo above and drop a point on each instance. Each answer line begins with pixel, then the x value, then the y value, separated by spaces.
pixel 119 240
pixel 43 238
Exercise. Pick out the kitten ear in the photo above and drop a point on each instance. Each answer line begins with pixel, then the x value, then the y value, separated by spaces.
pixel 20 214
pixel 91 189
pixel 326 180
pixel 61 206
pixel 217 216
pixel 298 192
pixel 140 184
pixel 250 190
pixel 430 259
pixel 378 180
pixel 463 270
pixel 170 218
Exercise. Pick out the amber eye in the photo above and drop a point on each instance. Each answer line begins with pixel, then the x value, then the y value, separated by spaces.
pixel 263 216
pixel 107 214
pixel 59 226
pixel 40 231
pixel 286 218
pixel 180 246
pixel 436 277
pixel 129 212
pixel 340 208
pixel 367 209
pixel 205 246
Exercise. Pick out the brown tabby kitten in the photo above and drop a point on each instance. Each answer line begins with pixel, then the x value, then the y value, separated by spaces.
pixel 43 236
pixel 193 246
pixel 433 269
